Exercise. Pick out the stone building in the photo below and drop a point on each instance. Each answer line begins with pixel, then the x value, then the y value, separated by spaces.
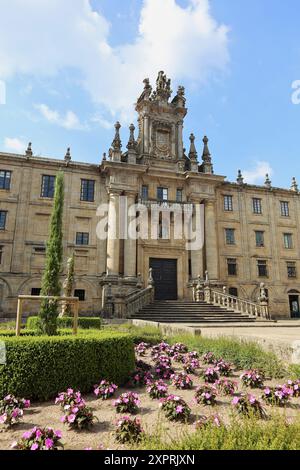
pixel 251 233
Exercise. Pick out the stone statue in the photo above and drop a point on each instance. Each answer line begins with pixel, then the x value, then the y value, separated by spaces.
pixel 263 294
pixel 145 96
pixel 68 288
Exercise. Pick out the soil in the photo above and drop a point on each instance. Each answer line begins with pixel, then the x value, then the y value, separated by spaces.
pixel 153 420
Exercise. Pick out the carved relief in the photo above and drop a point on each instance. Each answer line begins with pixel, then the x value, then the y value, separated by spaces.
pixel 161 139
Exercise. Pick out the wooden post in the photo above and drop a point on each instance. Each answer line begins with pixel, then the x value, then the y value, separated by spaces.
pixel 75 321
pixel 19 317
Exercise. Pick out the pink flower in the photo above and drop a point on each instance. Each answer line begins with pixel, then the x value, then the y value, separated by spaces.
pixel 38 434
pixel 71 418
pixel 235 401
pixel 58 434
pixel 3 418
pixel 49 443
pixel 179 409
pixel 34 446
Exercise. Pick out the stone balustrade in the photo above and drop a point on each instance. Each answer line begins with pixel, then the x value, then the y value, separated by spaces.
pixel 126 306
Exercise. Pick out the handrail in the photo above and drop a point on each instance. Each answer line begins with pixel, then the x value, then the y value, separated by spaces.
pixel 230 302
pixel 128 305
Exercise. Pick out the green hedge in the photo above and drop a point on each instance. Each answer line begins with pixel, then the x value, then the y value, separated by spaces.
pixel 40 367
pixel 67 322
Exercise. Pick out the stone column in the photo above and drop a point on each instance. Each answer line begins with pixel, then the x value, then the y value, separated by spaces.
pixel 179 139
pixel 146 134
pixel 130 244
pixel 211 240
pixel 113 240
pixel 197 255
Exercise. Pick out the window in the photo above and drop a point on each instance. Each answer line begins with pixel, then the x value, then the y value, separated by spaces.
pixel 163 228
pixel 162 194
pixel 36 291
pixel 145 192
pixel 40 249
pixel 233 291
pixel 259 238
pixel 230 236
pixel 285 208
pixel 179 195
pixel 82 238
pixel 232 267
pixel 3 220
pixel 291 269
pixel 257 207
pixel 5 179
pixel 1 254
pixel 288 241
pixel 262 268
pixel 228 204
pixel 87 191
pixel 48 186
pixel 80 293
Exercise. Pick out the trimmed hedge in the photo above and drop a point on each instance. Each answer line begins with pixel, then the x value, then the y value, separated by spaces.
pixel 67 322
pixel 40 367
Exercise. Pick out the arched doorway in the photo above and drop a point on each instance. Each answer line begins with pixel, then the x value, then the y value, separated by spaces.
pixel 294 303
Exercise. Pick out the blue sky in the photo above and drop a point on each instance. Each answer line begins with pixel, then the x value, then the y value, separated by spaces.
pixel 73 68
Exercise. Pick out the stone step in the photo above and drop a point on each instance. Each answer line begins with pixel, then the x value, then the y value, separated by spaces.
pixel 172 311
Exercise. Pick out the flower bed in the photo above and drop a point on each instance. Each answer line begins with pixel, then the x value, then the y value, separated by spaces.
pixel 141 349
pixel 163 367
pixel 295 386
pixel 129 430
pixel 39 439
pixel 105 389
pixel 223 367
pixel 249 405
pixel 127 403
pixel 211 375
pixel 182 381
pixel 209 358
pixel 175 408
pixel 226 387
pixel 191 365
pixel 279 395
pixel 78 416
pixel 139 378
pixel 205 421
pixel 253 378
pixel 63 362
pixel 206 395
pixel 157 389
pixel 11 409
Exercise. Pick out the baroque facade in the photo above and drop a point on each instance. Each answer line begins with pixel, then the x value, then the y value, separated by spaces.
pixel 251 233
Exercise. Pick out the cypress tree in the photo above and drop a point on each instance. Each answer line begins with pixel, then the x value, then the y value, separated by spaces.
pixel 51 284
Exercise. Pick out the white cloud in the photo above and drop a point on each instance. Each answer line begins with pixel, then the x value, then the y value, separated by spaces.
pixel 102 122
pixel 258 173
pixel 69 121
pixel 187 43
pixel 14 144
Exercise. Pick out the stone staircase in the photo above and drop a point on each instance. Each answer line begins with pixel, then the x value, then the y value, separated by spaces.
pixel 177 311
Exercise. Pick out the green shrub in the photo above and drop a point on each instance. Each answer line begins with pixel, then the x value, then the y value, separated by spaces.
pixel 243 354
pixel 12 333
pixel 247 434
pixel 67 322
pixel 40 367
